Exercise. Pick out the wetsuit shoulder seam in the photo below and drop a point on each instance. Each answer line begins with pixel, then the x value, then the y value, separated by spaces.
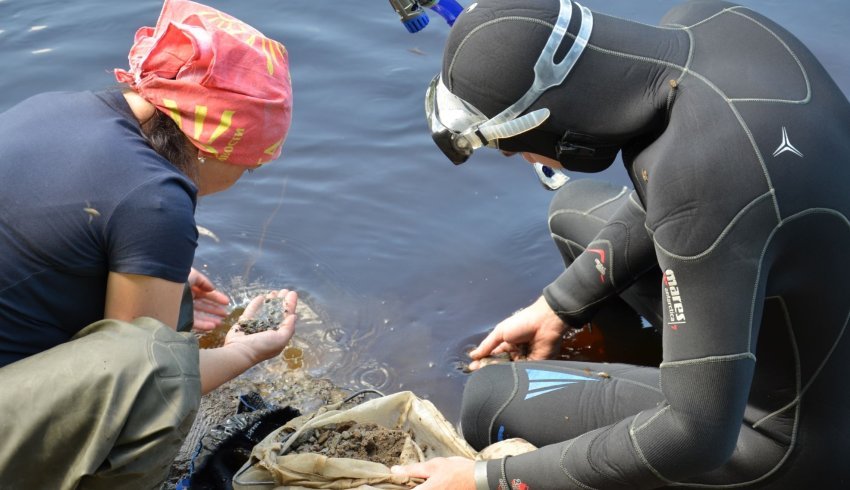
pixel 685 70
pixel 723 234
pixel 791 52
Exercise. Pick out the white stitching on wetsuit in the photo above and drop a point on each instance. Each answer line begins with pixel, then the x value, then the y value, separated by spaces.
pixel 793 442
pixel 506 403
pixel 482 26
pixel 600 300
pixel 639 451
pixel 802 391
pixel 687 68
pixel 716 89
pixel 803 214
pixel 720 237
pixel 808 96
pixel 574 211
pixel 569 243
pixel 650 419
pixel 637 204
pixel 564 466
pixel 797 368
pixel 622 192
pixel 796 413
pixel 708 360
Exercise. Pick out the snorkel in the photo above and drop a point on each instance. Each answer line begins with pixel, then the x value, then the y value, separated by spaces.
pixel 458 128
pixel 414 18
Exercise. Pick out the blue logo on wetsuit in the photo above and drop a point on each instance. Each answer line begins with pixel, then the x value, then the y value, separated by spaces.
pixel 541 382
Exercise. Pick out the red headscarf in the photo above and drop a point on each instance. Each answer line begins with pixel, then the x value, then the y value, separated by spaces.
pixel 225 84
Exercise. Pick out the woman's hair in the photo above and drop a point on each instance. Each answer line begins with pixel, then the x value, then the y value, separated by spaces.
pixel 166 138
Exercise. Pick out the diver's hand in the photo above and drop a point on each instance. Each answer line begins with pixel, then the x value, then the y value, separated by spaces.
pixel 537 327
pixel 265 345
pixel 208 302
pixel 440 473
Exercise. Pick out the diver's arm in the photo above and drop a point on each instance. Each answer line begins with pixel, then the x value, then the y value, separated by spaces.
pixel 619 254
pixel 712 305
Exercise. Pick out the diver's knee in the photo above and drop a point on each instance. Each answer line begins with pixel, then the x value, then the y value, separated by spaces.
pixel 486 394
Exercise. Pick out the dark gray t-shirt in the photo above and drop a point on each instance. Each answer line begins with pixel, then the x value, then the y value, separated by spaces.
pixel 83 194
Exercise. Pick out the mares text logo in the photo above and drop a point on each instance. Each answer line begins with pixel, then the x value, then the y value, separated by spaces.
pixel 516 484
pixel 600 262
pixel 675 307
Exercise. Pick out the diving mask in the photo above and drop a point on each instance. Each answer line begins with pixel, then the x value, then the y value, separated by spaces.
pixel 458 128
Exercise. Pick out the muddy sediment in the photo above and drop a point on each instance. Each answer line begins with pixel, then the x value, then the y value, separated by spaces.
pixel 281 381
pixel 268 317
pixel 363 441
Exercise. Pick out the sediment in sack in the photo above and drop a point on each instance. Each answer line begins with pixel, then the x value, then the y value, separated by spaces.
pixel 368 442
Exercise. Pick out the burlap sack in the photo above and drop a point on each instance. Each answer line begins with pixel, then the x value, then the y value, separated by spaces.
pixel 270 467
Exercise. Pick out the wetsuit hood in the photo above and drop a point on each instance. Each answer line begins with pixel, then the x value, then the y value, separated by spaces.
pixel 489 62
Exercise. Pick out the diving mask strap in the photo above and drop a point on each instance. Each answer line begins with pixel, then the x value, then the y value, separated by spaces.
pixel 547 73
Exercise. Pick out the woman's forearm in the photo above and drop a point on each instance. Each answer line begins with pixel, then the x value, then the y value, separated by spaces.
pixel 222 364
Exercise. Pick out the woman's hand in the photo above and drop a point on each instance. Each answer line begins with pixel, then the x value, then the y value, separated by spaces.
pixel 265 345
pixel 537 327
pixel 455 473
pixel 209 303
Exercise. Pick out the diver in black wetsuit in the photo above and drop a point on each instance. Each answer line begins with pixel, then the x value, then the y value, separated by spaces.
pixel 734 243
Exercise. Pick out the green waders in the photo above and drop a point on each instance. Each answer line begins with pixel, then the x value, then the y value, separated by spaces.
pixel 107 409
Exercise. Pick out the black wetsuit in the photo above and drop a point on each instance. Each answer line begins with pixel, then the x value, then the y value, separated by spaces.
pixel 735 243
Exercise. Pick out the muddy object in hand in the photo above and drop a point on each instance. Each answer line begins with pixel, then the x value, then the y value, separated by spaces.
pixel 494 359
pixel 363 441
pixel 268 317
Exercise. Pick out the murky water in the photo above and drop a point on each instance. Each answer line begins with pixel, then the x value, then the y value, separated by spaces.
pixel 407 260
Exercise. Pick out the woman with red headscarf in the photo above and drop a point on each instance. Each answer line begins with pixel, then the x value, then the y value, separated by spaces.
pixel 99 388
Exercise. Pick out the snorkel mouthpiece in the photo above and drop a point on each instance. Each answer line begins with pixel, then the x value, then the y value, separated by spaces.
pixel 414 17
